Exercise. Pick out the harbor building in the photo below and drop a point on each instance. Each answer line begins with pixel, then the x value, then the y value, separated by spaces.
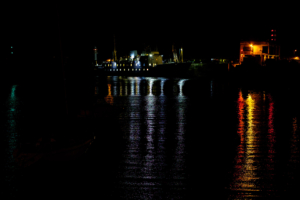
pixel 151 59
pixel 259 51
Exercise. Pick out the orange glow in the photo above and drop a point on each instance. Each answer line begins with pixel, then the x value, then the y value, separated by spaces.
pixel 108 60
pixel 109 98
pixel 246 164
pixel 241 117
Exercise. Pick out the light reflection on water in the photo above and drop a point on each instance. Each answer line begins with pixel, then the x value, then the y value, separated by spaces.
pixel 144 172
pixel 254 169
pixel 11 135
pixel 157 132
pixel 155 156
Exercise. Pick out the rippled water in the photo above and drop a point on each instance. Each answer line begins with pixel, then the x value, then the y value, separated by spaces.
pixel 175 139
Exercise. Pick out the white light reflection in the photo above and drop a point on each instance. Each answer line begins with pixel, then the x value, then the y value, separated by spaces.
pixel 150 82
pixel 180 84
pixel 115 81
pixel 137 85
pixel 150 123
pixel 131 81
pixel 179 172
pixel 133 156
pixel 162 82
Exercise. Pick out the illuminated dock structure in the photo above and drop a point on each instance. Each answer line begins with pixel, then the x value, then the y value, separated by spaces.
pixel 260 51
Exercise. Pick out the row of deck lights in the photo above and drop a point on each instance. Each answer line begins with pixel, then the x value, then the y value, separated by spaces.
pixel 128 70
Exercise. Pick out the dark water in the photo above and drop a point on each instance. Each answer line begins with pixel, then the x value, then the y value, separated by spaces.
pixel 173 139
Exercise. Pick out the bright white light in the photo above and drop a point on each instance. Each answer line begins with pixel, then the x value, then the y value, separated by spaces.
pixel 181 83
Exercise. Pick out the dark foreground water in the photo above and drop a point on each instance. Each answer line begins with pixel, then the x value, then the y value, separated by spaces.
pixel 173 139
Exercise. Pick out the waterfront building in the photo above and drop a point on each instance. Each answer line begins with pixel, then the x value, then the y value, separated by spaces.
pixel 151 59
pixel 259 51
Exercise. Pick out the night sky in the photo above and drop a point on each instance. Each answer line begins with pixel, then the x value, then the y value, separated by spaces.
pixel 203 29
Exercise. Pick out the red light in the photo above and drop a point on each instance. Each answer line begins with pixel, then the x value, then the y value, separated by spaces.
pixel 272 35
pixel 272 30
pixel 272 39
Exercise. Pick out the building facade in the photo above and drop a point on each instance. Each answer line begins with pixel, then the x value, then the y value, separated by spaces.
pixel 260 51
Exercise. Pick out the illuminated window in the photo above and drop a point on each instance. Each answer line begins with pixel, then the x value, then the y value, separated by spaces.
pixel 12 52
pixel 130 65
pixel 128 69
pixel 117 65
pixel 117 69
pixel 110 69
pixel 124 70
pixel 114 70
pixel 147 69
pixel 135 69
pixel 149 64
pixel 123 65
pixel 132 69
pixel 11 47
pixel 139 69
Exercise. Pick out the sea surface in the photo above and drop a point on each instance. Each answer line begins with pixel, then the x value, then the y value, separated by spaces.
pixel 169 139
